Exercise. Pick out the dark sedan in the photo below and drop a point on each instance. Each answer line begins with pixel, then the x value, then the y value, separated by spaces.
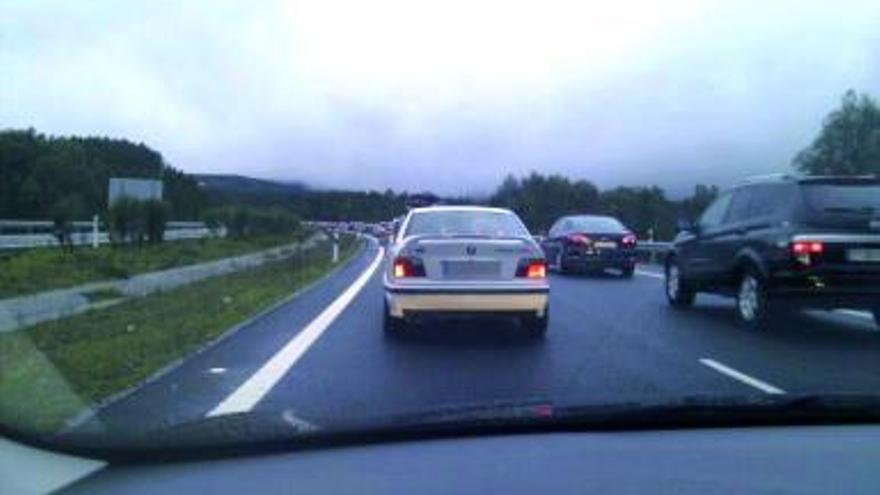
pixel 590 243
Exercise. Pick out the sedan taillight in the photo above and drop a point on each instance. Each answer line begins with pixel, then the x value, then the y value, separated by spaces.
pixel 579 239
pixel 629 240
pixel 531 268
pixel 405 267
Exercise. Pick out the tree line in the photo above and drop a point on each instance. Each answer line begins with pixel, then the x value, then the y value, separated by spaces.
pixel 51 177
pixel 539 200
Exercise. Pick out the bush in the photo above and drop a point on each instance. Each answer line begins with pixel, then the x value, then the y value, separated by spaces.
pixel 133 220
pixel 245 221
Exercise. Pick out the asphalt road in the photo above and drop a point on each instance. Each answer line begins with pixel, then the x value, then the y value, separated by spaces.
pixel 610 340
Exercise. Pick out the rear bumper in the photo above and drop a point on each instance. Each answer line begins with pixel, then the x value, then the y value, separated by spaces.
pixel 583 261
pixel 407 300
pixel 827 290
pixel 826 299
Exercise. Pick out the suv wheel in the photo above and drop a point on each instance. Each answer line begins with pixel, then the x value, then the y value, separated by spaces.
pixel 752 306
pixel 678 293
pixel 392 326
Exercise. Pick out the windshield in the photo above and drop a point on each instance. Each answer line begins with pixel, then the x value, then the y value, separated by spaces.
pixel 479 223
pixel 224 221
pixel 602 225
pixel 843 198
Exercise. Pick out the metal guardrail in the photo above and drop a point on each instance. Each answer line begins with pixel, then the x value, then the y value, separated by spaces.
pixel 653 252
pixel 38 233
pixel 654 247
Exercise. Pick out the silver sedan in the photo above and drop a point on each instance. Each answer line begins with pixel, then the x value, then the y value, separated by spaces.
pixel 465 260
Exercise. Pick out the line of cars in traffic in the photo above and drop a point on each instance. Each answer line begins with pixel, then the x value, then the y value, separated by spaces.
pixel 772 243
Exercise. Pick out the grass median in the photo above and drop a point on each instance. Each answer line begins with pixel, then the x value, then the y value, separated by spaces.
pixel 40 269
pixel 51 372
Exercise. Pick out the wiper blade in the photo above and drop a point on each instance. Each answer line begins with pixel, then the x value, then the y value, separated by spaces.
pixel 251 432
pixel 866 210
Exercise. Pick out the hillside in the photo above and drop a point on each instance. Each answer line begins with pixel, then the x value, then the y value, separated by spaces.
pixel 42 175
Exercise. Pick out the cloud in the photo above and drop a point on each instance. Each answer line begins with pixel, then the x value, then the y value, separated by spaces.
pixel 449 95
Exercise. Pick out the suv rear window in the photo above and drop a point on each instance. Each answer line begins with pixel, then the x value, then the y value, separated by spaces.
pixel 843 198
pixel 466 222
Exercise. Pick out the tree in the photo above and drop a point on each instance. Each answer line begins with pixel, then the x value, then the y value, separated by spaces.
pixel 125 220
pixel 156 218
pixel 63 214
pixel 645 210
pixel 849 142
pixel 539 200
pixel 693 207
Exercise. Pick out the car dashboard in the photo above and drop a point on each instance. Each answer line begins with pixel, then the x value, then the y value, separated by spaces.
pixel 820 460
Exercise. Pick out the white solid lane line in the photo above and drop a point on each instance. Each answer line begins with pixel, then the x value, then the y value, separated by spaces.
pixel 858 314
pixel 742 377
pixel 650 274
pixel 245 397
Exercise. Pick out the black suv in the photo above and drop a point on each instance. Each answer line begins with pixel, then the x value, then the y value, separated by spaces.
pixel 783 242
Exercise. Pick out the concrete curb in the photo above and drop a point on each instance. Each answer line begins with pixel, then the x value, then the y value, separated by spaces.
pixel 24 311
pixel 85 416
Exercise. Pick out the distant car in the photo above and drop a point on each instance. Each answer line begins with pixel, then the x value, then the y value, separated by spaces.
pixel 583 243
pixel 783 242
pixel 465 260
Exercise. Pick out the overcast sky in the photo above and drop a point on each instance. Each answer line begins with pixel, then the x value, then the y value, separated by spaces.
pixel 448 95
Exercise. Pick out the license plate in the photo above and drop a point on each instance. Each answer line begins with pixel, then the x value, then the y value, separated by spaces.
pixel 470 270
pixel 863 255
pixel 605 244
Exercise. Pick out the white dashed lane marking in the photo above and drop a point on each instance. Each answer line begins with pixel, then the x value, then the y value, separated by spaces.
pixel 741 377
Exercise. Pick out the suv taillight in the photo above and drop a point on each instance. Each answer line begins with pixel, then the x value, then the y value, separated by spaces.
pixel 405 267
pixel 807 247
pixel 531 268
pixel 806 252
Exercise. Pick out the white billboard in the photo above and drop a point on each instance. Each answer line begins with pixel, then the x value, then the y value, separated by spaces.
pixel 142 189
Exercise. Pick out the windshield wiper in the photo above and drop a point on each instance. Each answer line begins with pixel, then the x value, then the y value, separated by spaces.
pixel 864 210
pixel 267 431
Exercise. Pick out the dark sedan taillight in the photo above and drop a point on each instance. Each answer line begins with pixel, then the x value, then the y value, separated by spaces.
pixel 580 239
pixel 531 268
pixel 405 267
pixel 629 241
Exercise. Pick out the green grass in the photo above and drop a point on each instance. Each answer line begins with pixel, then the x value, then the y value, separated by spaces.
pixel 51 372
pixel 40 269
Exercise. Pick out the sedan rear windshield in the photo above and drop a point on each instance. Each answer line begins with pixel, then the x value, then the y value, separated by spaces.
pixel 602 225
pixel 481 223
pixel 843 198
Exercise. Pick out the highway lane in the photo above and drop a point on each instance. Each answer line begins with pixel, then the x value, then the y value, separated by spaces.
pixel 610 340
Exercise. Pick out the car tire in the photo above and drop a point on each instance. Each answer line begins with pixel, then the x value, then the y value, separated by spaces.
pixel 536 325
pixel 392 326
pixel 877 317
pixel 560 265
pixel 628 271
pixel 678 293
pixel 753 309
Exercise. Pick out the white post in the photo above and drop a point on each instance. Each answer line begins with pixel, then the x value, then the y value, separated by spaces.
pixel 336 247
pixel 95 231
